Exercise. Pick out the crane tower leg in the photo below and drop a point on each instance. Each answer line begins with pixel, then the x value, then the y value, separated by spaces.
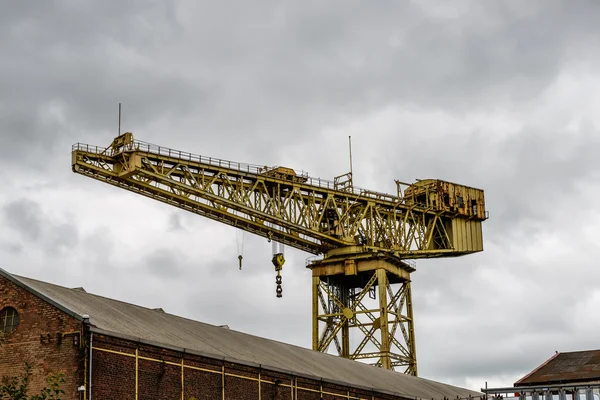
pixel 366 298
pixel 382 284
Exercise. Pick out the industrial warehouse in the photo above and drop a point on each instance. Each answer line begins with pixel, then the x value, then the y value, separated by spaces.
pixel 115 350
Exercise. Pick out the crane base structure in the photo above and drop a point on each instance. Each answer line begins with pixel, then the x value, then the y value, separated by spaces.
pixel 361 290
pixel 364 294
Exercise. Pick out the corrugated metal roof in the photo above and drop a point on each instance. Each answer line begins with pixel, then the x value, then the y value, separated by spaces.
pixel 161 328
pixel 575 366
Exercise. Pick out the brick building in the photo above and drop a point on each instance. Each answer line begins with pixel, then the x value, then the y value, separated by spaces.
pixel 573 367
pixel 573 375
pixel 109 349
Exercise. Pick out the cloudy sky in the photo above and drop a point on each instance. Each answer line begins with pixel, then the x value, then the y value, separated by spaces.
pixel 497 95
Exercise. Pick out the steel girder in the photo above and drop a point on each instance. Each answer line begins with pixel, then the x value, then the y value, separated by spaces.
pixel 371 302
pixel 310 215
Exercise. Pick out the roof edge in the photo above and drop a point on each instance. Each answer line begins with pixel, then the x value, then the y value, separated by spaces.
pixel 42 296
pixel 247 363
pixel 536 369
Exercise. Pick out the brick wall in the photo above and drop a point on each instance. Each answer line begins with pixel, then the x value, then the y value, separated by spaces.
pixel 159 376
pixel 38 318
pixel 159 371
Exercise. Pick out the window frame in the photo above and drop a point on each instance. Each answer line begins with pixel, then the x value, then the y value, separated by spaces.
pixel 9 313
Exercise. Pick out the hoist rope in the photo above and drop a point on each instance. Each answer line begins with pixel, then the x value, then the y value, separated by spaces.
pixel 240 241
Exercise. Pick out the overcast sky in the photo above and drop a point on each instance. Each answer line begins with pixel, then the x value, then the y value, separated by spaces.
pixel 501 95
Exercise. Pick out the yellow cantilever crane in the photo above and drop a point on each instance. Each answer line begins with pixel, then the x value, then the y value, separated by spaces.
pixel 367 239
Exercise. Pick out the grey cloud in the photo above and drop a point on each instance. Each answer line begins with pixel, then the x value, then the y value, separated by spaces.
pixel 29 221
pixel 509 321
pixel 99 247
pixel 62 237
pixel 164 263
pixel 13 248
pixel 80 63
pixel 526 176
pixel 24 216
pixel 318 62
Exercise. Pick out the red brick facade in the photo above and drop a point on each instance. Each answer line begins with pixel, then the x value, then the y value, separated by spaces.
pixel 39 340
pixel 124 369
pixel 159 376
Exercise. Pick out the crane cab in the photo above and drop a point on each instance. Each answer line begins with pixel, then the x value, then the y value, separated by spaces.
pixel 447 196
pixel 465 205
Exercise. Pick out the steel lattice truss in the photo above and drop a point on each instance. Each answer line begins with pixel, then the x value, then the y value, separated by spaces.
pixel 362 284
pixel 368 309
pixel 307 213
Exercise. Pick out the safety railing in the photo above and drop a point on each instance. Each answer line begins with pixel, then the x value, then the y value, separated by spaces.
pixel 560 391
pixel 150 148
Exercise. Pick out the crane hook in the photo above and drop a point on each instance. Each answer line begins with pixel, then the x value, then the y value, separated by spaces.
pixel 240 257
pixel 278 261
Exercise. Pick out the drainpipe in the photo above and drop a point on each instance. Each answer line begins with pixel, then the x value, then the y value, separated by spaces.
pixel 90 379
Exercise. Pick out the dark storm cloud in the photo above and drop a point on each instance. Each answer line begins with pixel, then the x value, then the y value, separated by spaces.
pixel 76 62
pixel 310 64
pixel 324 63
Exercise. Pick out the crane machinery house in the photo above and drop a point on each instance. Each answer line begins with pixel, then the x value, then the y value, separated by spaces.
pixel 111 350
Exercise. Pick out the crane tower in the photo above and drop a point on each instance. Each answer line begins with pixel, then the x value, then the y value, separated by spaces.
pixel 366 241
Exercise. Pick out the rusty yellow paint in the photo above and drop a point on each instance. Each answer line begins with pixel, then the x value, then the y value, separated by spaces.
pixel 361 233
pixel 325 268
pixel 467 235
pixel 307 213
pixel 342 308
pixel 449 197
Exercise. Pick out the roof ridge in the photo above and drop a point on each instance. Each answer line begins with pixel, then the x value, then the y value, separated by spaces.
pixel 84 292
pixel 153 309
pixel 578 351
pixel 538 368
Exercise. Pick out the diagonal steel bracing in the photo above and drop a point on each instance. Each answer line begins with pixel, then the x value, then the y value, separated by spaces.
pixel 368 302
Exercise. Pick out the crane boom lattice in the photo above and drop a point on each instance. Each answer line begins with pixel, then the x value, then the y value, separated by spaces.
pixel 367 239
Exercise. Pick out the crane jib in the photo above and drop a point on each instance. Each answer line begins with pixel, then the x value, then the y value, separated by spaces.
pixel 423 223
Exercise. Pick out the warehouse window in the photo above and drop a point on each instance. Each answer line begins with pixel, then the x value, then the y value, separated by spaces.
pixel 9 319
